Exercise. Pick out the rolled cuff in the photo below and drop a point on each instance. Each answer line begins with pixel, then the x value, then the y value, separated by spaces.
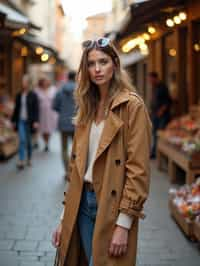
pixel 130 208
pixel 124 220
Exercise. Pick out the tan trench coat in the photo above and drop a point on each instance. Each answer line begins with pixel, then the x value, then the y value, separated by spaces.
pixel 120 179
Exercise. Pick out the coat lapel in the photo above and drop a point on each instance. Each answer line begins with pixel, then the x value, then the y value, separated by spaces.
pixel 82 138
pixel 112 125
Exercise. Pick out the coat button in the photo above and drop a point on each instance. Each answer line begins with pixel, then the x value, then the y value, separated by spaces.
pixel 113 192
pixel 63 202
pixel 73 156
pixel 117 162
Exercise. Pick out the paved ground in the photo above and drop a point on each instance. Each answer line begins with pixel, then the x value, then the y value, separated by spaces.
pixel 30 205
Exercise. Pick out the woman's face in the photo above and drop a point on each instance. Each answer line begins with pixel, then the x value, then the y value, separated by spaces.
pixel 100 67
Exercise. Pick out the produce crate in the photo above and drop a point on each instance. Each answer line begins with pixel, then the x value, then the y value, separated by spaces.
pixel 186 225
pixel 9 147
pixel 197 230
pixel 178 158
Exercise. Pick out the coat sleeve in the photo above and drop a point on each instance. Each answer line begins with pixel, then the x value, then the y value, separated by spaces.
pixel 57 102
pixel 36 108
pixel 73 156
pixel 137 165
pixel 71 165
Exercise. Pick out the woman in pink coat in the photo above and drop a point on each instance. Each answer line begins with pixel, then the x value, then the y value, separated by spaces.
pixel 48 118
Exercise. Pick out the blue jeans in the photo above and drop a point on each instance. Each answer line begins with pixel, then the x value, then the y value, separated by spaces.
pixel 25 145
pixel 86 221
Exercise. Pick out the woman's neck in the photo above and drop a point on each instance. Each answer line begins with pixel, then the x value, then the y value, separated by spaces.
pixel 103 90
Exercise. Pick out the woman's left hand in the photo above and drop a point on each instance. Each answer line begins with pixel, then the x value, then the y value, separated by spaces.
pixel 119 242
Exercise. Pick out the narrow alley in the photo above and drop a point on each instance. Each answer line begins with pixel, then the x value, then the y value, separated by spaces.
pixel 30 206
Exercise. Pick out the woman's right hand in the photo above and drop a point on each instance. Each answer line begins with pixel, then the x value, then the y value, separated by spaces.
pixel 56 236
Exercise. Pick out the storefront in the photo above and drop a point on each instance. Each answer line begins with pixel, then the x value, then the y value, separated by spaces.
pixel 169 33
pixel 13 65
pixel 173 50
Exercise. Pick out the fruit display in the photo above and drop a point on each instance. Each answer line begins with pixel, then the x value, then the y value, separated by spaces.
pixel 187 200
pixel 6 130
pixel 183 133
pixel 8 137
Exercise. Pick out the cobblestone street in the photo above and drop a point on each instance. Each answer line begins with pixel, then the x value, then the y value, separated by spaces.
pixel 30 206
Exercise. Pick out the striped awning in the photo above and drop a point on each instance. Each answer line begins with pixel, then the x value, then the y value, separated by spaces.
pixel 13 18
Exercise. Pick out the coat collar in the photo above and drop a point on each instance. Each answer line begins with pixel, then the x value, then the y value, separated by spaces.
pixel 121 97
pixel 112 125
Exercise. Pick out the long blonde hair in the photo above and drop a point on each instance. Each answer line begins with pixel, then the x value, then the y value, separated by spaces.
pixel 87 93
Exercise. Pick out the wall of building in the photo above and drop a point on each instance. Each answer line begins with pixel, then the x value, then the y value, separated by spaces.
pixel 43 14
pixel 117 16
pixel 95 26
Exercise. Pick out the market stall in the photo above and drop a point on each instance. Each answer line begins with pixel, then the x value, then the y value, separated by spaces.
pixel 184 205
pixel 8 137
pixel 180 144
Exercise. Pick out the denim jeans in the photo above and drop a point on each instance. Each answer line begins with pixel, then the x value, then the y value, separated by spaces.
pixel 86 221
pixel 25 145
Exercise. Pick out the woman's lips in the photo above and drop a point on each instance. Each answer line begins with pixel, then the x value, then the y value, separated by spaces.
pixel 98 77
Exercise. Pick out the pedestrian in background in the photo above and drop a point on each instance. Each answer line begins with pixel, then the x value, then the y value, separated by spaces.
pixel 25 120
pixel 64 105
pixel 109 176
pixel 48 118
pixel 160 108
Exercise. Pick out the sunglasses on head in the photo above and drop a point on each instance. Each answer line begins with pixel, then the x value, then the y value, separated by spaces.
pixel 101 42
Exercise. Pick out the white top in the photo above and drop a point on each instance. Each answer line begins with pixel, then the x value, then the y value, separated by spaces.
pixel 94 139
pixel 23 112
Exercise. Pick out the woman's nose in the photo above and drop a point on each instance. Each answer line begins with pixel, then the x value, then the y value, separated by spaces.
pixel 97 68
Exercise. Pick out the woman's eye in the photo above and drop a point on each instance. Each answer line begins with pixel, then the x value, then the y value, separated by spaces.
pixel 104 61
pixel 90 64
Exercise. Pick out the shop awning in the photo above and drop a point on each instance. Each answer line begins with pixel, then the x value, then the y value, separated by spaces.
pixel 131 58
pixel 15 19
pixel 146 12
pixel 34 42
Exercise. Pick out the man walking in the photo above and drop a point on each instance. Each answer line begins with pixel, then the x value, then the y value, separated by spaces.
pixel 63 104
pixel 160 107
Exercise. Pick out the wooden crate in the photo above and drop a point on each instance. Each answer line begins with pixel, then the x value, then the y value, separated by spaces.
pixel 197 230
pixel 9 147
pixel 176 157
pixel 186 225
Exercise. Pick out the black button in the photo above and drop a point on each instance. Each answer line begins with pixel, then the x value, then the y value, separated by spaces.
pixel 113 192
pixel 73 156
pixel 63 202
pixel 118 162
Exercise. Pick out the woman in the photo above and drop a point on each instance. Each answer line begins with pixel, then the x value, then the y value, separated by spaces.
pixel 25 120
pixel 48 118
pixel 109 177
